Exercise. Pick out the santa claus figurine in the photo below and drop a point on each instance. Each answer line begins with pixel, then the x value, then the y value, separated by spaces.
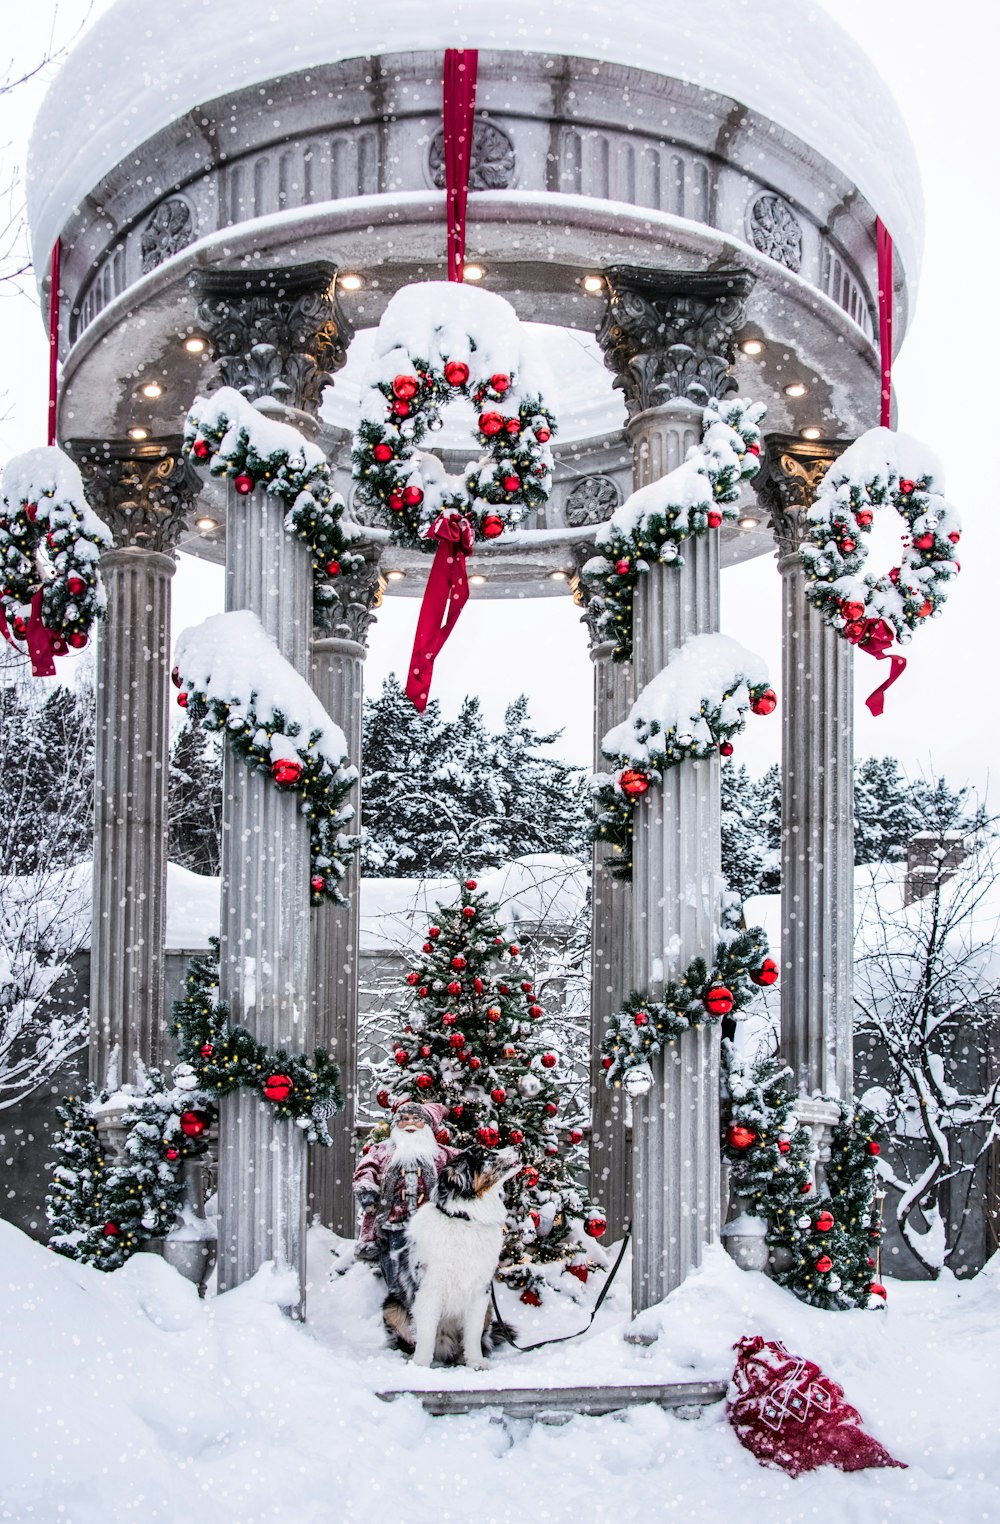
pixel 396 1177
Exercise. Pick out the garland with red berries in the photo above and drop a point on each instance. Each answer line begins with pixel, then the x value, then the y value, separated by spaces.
pixel 879 468
pixel 51 542
pixel 237 441
pixel 823 1248
pixel 653 523
pixel 409 490
pixel 644 1027
pixel 225 1057
pixel 268 741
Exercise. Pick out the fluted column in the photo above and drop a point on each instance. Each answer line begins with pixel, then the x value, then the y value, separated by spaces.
pixel 669 337
pixel 338 662
pixel 264 973
pixel 817 791
pixel 144 494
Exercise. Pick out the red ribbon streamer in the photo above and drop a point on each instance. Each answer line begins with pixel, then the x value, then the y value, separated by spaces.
pixel 54 338
pixel 884 242
pixel 38 639
pixel 461 65
pixel 445 596
pixel 874 637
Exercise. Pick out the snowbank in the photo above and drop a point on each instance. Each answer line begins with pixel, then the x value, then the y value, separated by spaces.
pixel 129 1398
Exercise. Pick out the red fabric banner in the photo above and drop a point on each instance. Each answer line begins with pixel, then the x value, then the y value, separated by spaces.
pixel 791 1416
pixel 884 243
pixel 37 638
pixel 461 66
pixel 445 596
pixel 874 637
pixel 54 338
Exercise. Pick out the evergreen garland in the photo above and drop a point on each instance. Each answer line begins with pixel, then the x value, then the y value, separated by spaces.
pixel 225 1057
pixel 644 1027
pixel 651 525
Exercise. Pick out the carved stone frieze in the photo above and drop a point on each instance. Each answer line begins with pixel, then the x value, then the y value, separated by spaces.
pixel 168 230
pixel 349 610
pixel 592 501
pixel 492 161
pixel 786 485
pixel 670 334
pixel 144 493
pixel 774 230
pixel 275 333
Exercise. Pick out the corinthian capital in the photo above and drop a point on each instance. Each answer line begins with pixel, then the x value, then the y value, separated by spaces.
pixel 275 333
pixel 790 473
pixel 670 334
pixel 143 492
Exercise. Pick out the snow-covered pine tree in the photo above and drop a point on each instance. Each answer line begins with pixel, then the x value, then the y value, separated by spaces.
pixel 400 811
pixel 46 773
pixel 544 801
pixel 473 1036
pixel 195 800
pixel 744 848
pixel 78 1170
pixel 886 815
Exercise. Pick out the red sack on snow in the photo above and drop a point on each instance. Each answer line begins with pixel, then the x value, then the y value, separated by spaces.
pixel 789 1415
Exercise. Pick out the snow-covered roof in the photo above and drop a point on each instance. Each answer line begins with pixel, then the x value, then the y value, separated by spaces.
pixel 141 66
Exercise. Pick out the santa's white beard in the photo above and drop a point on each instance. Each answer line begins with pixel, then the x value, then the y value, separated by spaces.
pixel 413 1145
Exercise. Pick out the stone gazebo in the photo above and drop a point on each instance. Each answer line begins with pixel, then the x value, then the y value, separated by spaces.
pixel 712 222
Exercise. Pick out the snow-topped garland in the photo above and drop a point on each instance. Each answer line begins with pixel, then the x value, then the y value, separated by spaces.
pixel 224 1057
pixel 691 709
pixel 830 1241
pixel 650 525
pixel 644 1027
pixel 232 678
pixel 242 443
pixel 870 609
pixel 438 344
pixel 50 544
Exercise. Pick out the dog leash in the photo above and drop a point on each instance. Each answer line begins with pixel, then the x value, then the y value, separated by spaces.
pixel 562 1338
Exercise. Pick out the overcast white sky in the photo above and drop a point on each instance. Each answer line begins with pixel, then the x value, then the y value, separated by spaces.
pixel 940 63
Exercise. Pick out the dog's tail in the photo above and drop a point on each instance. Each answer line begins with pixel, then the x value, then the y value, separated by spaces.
pixel 398 1324
pixel 498 1332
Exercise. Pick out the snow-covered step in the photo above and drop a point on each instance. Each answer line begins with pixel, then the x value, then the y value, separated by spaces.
pixel 559 1404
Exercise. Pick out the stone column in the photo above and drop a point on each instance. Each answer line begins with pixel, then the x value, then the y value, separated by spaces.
pixel 817 792
pixel 338 678
pixel 144 494
pixel 669 337
pixel 264 973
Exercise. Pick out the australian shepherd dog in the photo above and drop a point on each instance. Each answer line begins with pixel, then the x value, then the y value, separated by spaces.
pixel 454 1243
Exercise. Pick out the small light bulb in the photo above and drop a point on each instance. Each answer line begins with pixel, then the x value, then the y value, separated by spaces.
pixel 477 579
pixel 557 576
pixel 473 272
pixel 206 524
pixel 748 522
pixel 812 433
pixel 194 346
pixel 152 390
pixel 396 576
pixel 753 346
pixel 350 282
pixel 796 389
pixel 593 284
pixel 138 433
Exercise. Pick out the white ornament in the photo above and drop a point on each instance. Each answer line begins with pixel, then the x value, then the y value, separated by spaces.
pixel 834 1282
pixel 529 1085
pixel 638 1080
pixel 805 1222
pixel 185 1077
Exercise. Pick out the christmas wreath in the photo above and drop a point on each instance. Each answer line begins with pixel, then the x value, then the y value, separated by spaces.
pixel 644 1027
pixel 691 709
pixel 224 1057
pixel 867 609
pixel 50 544
pixel 232 679
pixel 653 523
pixel 239 442
pixel 826 1246
pixel 439 344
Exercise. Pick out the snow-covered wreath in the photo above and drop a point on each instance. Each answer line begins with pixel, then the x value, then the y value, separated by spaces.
pixel 50 544
pixel 239 442
pixel 232 678
pixel 651 525
pixel 691 709
pixel 644 1027
pixel 439 344
pixel 872 609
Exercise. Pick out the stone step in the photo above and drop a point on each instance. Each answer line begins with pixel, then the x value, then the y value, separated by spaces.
pixel 561 1403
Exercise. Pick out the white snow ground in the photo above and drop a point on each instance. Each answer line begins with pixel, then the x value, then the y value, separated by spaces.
pixel 127 1398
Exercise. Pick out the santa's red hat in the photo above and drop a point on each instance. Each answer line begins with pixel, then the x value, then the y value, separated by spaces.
pixel 433 1111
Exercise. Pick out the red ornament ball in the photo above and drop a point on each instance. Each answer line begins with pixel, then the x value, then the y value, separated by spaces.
pixel 475 1063
pixel 784 1145
pixel 456 372
pixel 824 1263
pixel 906 486
pixel 864 517
pixel 173 1153
pixel 423 992
pixel 456 1039
pixel 543 435
pixel 535 1012
pixel 278 1087
pixel 718 1000
pixel 633 782
pixel 642 1018
pixel 595 1227
pixel 333 568
pixel 498 1094
pixel 317 883
pixel 433 931
pixel 477 985
pixel 382 453
pixel 848 546
pixel 413 496
pixel 456 1111
pixel 442 1136
pixel 244 484
pixel 454 988
pixel 927 608
pixel 740 1137
pixel 511 483
pixel 924 542
pixel 424 1081
pixel 286 771
pixel 713 518
pixel 193 1123
pixel 401 1056
pixel 606 1063
pixel 207 1050
pixel 516 1136
pixel 182 700
pixel 623 567
pixel 201 449
pixel 382 1097
pixel 873 1148
pixel 531 1299
pixel 513 427
pixel 954 537
pixel 412 978
pixel 458 961
pixel 514 950
pixel 493 526
pixel 753 449
pixel 824 1222
pixel 765 703
pixel 500 383
pixel 548 1060
pixel 726 749
pixel 470 884
pixel 767 974
pixel 877 1289
pixel 111 1230
pixel 469 912
pixel 580 1271
pixel 493 1013
pixel 490 424
pixel 401 409
pixel 575 1135
pixel 551 1108
pixel 395 501
pixel 405 387
pixel 76 586
pixel 77 639
pixel 449 1019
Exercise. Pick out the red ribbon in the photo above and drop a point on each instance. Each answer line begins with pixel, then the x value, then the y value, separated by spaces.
pixel 38 639
pixel 54 339
pixel 445 596
pixel 884 242
pixel 874 637
pixel 461 66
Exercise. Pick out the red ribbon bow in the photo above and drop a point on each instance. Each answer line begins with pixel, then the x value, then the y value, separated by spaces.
pixel 38 639
pixel 874 637
pixel 445 596
pixel 461 66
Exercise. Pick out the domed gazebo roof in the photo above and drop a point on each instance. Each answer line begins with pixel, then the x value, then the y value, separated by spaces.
pixel 139 67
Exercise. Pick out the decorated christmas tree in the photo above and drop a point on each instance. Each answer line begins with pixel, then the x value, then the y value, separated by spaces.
pixel 474 1037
